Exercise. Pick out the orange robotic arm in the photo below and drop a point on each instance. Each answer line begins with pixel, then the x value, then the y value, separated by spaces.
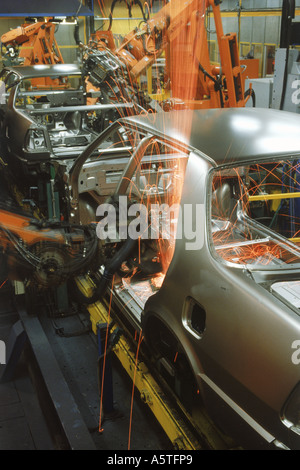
pixel 40 44
pixel 179 30
pixel 46 253
pixel 20 34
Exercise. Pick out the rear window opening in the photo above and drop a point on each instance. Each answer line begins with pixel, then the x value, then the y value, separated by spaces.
pixel 255 214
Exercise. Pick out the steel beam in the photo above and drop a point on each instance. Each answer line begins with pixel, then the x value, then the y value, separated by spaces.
pixel 74 429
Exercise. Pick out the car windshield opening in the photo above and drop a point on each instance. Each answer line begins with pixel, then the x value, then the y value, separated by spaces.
pixel 255 214
pixel 147 192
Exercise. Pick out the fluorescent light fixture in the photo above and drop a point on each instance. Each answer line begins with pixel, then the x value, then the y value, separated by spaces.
pixel 65 19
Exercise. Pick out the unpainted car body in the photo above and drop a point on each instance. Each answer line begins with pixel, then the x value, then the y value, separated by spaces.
pixel 46 114
pixel 223 322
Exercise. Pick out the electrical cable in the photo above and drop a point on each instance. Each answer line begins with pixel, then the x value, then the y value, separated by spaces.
pixel 288 12
pixel 250 92
pixel 218 85
pixel 129 7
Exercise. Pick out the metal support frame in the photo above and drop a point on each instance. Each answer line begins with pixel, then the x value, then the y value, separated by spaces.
pixel 277 197
pixel 73 428
pixel 151 394
pixel 105 371
pixel 15 346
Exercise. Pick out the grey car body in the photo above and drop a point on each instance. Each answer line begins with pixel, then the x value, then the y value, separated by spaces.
pixel 235 323
pixel 243 354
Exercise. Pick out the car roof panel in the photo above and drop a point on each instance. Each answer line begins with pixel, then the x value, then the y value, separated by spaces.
pixel 44 70
pixel 229 136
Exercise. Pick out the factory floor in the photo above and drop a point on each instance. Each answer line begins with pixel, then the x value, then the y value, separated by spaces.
pixel 25 419
pixel 22 423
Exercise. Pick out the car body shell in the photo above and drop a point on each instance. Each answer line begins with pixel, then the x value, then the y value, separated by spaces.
pixel 242 356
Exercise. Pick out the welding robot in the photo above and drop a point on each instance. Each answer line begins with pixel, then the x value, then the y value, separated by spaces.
pixel 178 31
pixel 38 41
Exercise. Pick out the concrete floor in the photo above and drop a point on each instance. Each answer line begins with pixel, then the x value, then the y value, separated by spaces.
pixel 24 421
pixel 22 424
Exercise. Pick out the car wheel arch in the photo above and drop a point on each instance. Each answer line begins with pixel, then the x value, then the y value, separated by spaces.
pixel 152 323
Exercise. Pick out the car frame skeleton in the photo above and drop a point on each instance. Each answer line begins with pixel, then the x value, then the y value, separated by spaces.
pixel 50 100
pixel 224 325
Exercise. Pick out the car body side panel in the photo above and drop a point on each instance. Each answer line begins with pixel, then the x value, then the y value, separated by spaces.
pixel 16 124
pixel 243 349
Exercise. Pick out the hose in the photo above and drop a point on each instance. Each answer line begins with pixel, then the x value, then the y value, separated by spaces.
pixel 250 92
pixel 112 266
pixel 76 35
pixel 218 86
